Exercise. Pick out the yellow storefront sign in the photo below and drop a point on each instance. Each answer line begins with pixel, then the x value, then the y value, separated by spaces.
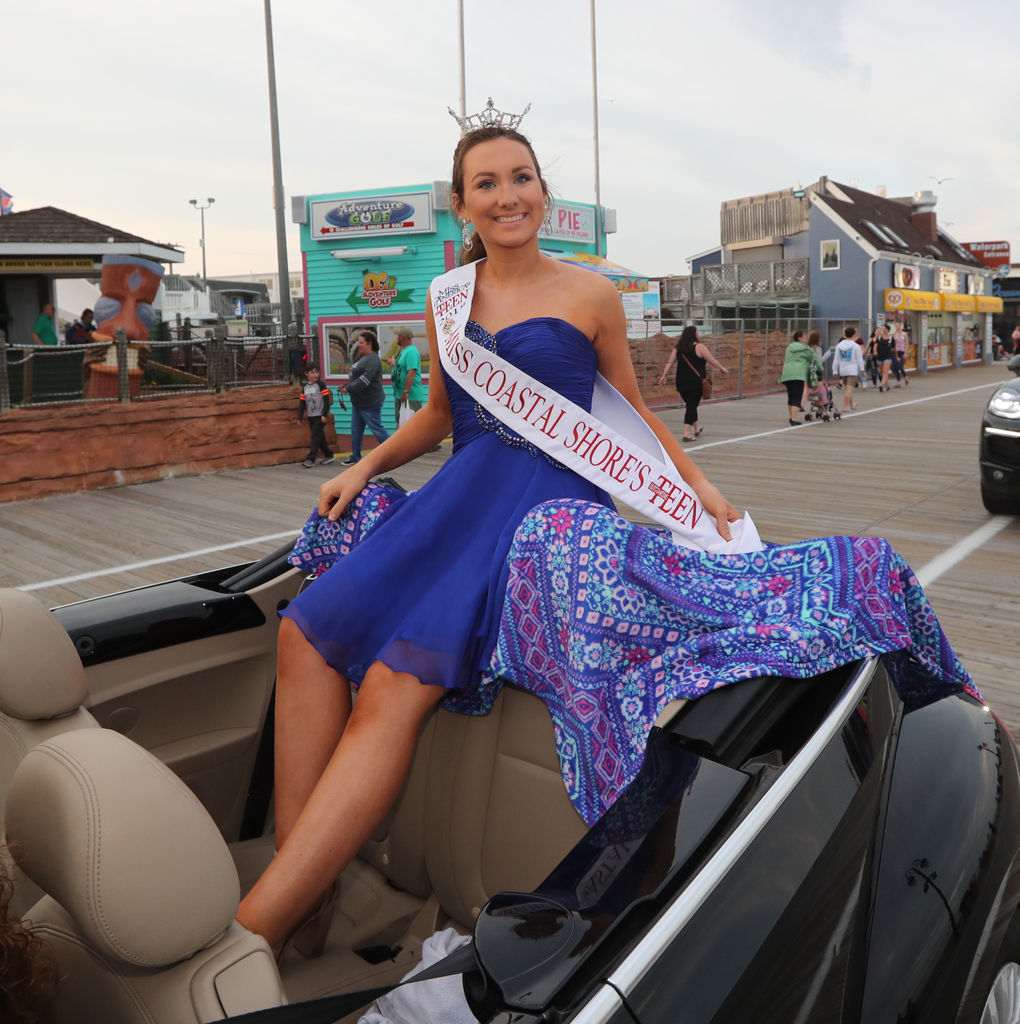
pixel 988 303
pixel 957 303
pixel 41 266
pixel 906 298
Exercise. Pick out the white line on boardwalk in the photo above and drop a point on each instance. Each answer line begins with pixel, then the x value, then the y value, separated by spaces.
pixel 158 561
pixel 860 412
pixel 929 573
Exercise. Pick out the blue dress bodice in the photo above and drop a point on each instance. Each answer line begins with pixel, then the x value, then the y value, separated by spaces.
pixel 546 348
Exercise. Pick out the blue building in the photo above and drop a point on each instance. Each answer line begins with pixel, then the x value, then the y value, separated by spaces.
pixel 830 256
pixel 888 260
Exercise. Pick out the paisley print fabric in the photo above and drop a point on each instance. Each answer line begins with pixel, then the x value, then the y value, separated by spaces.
pixel 607 622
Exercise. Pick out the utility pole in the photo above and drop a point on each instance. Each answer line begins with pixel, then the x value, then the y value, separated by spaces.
pixel 595 122
pixel 281 230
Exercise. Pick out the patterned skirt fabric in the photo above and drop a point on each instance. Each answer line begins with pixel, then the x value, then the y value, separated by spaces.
pixel 607 622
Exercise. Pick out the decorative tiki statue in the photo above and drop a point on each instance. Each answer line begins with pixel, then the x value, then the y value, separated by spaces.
pixel 128 288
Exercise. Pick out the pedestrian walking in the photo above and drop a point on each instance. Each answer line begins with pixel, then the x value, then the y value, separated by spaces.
pixel 883 356
pixel 871 359
pixel 691 357
pixel 799 358
pixel 315 401
pixel 848 365
pixel 899 364
pixel 366 391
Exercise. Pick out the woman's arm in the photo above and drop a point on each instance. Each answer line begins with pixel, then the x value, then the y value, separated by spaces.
pixel 421 433
pixel 706 353
pixel 356 379
pixel 669 366
pixel 615 365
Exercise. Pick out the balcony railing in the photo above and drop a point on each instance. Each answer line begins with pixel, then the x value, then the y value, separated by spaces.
pixel 739 282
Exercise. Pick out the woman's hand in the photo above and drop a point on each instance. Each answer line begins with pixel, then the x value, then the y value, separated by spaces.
pixel 716 506
pixel 336 494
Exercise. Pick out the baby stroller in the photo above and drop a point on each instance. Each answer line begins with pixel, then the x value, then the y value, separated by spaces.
pixel 822 406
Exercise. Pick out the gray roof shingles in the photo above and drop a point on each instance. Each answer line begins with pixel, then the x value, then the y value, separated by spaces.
pixel 896 214
pixel 48 225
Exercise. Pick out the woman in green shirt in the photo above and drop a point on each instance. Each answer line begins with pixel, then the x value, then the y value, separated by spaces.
pixel 796 365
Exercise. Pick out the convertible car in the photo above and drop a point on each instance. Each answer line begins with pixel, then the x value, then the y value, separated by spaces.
pixel 792 851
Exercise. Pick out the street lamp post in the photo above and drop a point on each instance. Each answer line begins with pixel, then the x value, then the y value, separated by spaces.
pixel 201 209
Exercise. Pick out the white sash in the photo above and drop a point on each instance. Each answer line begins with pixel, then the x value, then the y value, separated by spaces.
pixel 611 446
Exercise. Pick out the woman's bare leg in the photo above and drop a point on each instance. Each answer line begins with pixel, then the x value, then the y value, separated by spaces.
pixel 313 703
pixel 356 790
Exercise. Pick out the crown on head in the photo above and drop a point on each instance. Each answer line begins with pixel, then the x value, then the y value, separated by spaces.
pixel 488 117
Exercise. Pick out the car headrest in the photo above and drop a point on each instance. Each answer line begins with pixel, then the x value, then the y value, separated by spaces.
pixel 41 675
pixel 123 846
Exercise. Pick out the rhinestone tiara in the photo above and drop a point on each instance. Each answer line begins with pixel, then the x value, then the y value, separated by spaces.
pixel 488 117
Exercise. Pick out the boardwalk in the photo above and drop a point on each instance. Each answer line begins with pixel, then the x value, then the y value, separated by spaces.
pixel 904 468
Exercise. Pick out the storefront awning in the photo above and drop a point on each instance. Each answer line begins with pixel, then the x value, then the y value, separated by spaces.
pixel 625 280
pixel 905 298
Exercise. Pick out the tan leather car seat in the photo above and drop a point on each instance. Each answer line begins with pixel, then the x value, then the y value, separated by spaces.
pixel 498 815
pixel 141 889
pixel 42 689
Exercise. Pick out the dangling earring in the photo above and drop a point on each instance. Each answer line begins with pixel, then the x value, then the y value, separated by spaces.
pixel 547 216
pixel 465 235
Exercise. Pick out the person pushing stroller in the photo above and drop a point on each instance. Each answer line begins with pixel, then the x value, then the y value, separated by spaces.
pixel 819 394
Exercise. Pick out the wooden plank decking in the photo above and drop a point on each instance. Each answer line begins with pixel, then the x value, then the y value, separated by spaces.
pixel 904 468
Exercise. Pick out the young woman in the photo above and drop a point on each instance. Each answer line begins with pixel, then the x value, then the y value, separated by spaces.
pixel 900 339
pixel 381 617
pixel 427 604
pixel 690 356
pixel 884 355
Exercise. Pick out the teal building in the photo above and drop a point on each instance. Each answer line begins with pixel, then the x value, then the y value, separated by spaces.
pixel 369 258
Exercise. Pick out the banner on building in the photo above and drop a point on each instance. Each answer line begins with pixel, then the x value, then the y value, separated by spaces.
pixel 991 254
pixel 368 216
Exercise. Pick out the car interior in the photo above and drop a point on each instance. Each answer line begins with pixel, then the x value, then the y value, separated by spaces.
pixel 136 884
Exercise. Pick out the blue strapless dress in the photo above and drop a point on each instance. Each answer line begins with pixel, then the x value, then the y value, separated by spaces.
pixel 507 566
pixel 423 591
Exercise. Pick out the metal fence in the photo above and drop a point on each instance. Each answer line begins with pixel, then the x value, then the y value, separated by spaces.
pixel 174 364
pixel 178 364
pixel 752 352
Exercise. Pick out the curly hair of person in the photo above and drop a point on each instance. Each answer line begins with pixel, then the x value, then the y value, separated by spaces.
pixel 28 973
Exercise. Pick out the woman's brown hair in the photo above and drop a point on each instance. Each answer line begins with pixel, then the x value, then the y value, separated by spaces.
pixel 28 974
pixel 466 144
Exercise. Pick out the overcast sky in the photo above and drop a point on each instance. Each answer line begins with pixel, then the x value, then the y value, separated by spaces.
pixel 122 112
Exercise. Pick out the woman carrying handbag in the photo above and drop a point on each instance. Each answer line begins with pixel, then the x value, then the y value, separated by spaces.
pixel 691 358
